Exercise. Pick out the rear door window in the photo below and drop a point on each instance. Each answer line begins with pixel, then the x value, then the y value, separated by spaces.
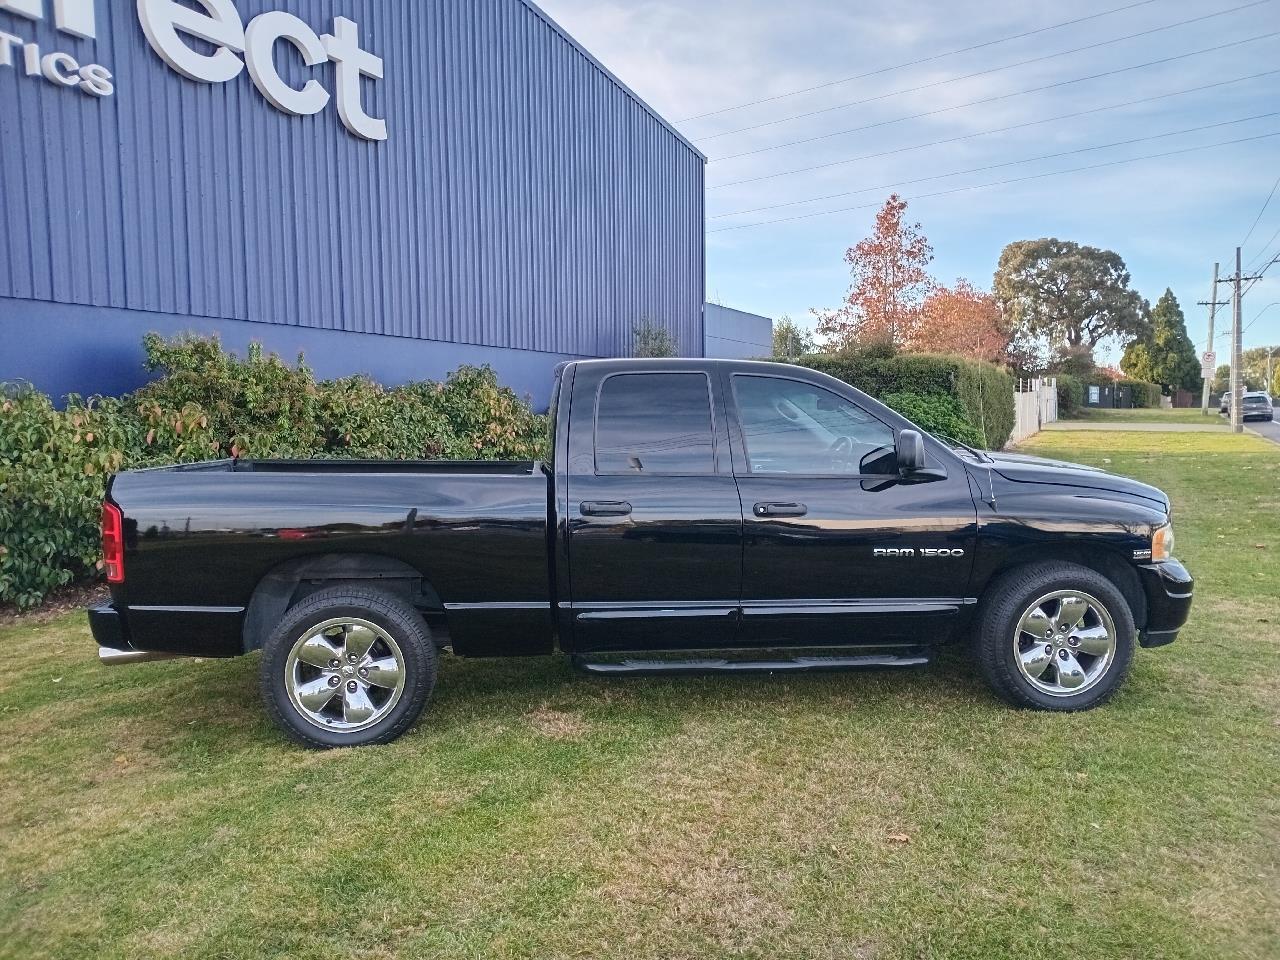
pixel 655 423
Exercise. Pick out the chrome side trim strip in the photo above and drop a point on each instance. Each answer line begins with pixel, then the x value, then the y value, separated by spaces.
pixel 502 605
pixel 143 608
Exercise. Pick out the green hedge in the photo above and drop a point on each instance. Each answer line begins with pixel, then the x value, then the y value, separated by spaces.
pixel 1070 394
pixel 209 404
pixel 983 390
pixel 1143 394
pixel 937 413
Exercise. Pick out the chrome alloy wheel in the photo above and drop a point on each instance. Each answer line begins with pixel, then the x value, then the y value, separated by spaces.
pixel 1064 643
pixel 345 674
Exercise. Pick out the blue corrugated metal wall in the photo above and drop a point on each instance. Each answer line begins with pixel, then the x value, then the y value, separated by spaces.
pixel 524 199
pixel 736 334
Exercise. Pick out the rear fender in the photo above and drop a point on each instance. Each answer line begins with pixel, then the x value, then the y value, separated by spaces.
pixel 290 582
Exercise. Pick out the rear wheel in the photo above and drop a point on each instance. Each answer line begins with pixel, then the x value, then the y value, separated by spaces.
pixel 1055 636
pixel 348 666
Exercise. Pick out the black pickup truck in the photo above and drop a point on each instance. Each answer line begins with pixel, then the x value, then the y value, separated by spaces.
pixel 699 515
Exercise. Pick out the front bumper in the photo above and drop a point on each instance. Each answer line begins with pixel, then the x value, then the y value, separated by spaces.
pixel 1168 588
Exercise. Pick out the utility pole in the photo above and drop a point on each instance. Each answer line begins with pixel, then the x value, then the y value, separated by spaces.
pixel 1237 382
pixel 1213 303
pixel 1237 375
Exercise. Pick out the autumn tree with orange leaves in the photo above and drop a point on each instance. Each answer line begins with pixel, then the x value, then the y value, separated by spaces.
pixel 890 283
pixel 961 320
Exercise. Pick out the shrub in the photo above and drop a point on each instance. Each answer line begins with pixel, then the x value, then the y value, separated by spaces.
pixel 652 340
pixel 984 390
pixel 937 413
pixel 1143 394
pixel 1070 394
pixel 259 406
pixel 210 404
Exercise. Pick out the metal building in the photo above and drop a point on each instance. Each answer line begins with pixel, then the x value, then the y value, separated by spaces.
pixel 393 188
pixel 736 334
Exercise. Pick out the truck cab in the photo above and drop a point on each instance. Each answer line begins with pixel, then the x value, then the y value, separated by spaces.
pixel 748 505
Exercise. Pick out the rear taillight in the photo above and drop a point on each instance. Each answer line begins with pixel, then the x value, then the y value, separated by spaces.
pixel 113 543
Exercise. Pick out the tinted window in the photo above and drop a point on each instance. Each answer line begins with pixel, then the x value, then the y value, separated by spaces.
pixel 654 423
pixel 793 427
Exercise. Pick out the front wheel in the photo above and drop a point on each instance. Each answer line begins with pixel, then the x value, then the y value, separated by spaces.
pixel 1055 636
pixel 348 666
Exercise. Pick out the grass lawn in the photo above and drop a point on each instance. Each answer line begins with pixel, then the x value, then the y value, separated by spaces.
pixel 1148 415
pixel 152 811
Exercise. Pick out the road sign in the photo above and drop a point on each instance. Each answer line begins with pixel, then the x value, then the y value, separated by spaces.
pixel 1208 364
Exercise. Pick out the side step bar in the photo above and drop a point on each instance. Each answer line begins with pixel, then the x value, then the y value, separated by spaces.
pixel 871 661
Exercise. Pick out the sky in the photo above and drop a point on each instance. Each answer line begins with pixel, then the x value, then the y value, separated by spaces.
pixel 1169 217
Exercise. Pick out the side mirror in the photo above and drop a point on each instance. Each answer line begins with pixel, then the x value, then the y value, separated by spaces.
pixel 910 450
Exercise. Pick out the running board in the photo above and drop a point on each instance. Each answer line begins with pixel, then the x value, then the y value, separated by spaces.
pixel 876 661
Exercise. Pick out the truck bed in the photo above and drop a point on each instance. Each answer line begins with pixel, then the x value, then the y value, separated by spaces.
pixel 203 537
pixel 470 467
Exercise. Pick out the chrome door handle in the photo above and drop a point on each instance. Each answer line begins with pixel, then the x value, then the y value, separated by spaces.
pixel 781 510
pixel 605 508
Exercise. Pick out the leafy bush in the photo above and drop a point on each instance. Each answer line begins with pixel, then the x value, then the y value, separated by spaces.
pixel 652 340
pixel 984 390
pixel 1070 394
pixel 1143 394
pixel 210 404
pixel 937 413
pixel 259 406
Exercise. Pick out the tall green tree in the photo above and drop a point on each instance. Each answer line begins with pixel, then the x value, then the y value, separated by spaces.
pixel 1068 296
pixel 1163 353
pixel 790 340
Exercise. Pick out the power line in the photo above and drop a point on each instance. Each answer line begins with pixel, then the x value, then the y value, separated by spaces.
pixel 1257 278
pixel 997 97
pixel 1265 204
pixel 1001 183
pixel 1003 163
pixel 916 63
pixel 984 133
pixel 982 73
pixel 1265 247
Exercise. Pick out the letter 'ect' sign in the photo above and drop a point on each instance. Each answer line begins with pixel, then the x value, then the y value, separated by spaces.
pixel 208 41
pixel 169 24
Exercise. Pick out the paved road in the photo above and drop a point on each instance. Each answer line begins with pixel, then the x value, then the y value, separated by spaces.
pixel 1269 430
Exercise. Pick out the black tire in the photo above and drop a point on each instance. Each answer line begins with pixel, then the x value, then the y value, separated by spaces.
pixel 1011 596
pixel 401 623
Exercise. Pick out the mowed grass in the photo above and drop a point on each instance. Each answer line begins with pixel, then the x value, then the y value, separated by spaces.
pixel 1151 415
pixel 152 811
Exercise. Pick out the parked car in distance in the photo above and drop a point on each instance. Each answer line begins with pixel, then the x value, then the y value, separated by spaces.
pixel 1257 405
pixel 1224 405
pixel 692 515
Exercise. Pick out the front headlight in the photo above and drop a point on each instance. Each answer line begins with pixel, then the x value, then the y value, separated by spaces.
pixel 1162 543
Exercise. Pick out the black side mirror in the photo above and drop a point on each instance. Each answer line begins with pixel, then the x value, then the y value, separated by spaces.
pixel 910 450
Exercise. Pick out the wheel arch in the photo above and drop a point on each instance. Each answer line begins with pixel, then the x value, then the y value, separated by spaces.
pixel 1102 560
pixel 292 581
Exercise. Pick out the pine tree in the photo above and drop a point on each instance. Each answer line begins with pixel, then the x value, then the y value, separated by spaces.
pixel 1164 353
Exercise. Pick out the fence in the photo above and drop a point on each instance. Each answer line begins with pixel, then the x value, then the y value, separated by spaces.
pixel 1035 404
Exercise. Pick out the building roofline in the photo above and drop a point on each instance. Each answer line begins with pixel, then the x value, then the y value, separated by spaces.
pixel 640 101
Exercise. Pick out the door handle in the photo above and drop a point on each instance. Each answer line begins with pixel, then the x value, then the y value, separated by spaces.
pixel 781 510
pixel 605 508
